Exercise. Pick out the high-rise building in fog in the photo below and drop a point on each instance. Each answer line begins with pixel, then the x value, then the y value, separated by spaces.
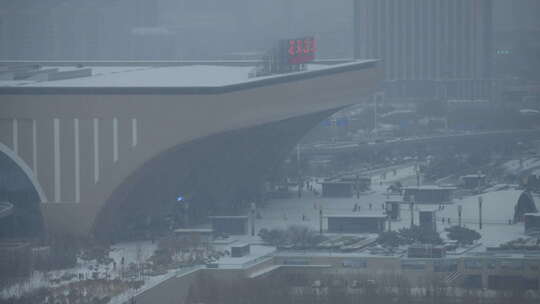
pixel 516 14
pixel 516 42
pixel 168 29
pixel 426 43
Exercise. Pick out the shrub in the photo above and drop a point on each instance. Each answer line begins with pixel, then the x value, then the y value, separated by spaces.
pixel 416 234
pixel 463 235
pixel 300 237
pixel 391 239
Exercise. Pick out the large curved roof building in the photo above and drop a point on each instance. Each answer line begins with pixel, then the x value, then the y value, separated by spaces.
pixel 96 149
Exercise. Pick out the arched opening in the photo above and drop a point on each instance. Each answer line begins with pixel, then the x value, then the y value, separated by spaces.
pixel 16 187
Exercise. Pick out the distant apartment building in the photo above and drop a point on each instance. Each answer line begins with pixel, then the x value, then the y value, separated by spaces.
pixel 430 49
pixel 516 14
pixel 516 43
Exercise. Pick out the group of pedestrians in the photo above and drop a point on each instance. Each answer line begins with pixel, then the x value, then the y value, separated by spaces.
pixel 357 207
pixel 443 220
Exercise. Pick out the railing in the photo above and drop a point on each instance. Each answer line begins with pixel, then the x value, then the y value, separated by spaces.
pixel 246 264
pixel 128 296
pixel 473 221
pixel 5 209
pixel 452 277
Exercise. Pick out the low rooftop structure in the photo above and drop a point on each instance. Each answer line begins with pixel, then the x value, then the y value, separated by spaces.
pixel 532 223
pixel 426 251
pixel 428 220
pixel 240 250
pixel 429 194
pixel 472 181
pixel 519 246
pixel 393 209
pixel 201 74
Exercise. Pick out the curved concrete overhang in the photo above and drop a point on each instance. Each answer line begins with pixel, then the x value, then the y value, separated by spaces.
pixel 166 117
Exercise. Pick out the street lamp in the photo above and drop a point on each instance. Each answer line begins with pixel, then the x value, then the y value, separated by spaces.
pixel 460 210
pixel 480 200
pixel 183 201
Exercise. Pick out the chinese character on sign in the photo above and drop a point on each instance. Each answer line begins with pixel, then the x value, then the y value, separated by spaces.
pixel 292 47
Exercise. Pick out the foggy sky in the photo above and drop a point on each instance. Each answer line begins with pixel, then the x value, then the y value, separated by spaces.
pixel 178 29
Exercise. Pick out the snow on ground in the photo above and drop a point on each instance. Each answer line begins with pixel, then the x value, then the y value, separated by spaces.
pixel 151 282
pixel 498 208
pixel 133 252
pixel 281 213
pixel 256 253
pixel 401 173
pixel 39 279
pixel 528 164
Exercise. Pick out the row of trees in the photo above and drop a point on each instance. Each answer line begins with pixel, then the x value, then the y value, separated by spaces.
pixel 178 251
pixel 300 237
pixel 17 264
pixel 415 234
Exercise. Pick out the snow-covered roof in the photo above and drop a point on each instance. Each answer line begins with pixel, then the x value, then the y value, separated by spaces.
pixel 356 215
pixel 429 187
pixel 474 176
pixel 240 245
pixel 332 182
pixel 194 230
pixel 529 111
pixel 165 76
pixel 228 217
pixel 398 112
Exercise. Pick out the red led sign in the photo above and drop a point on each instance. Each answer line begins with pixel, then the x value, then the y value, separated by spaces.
pixel 301 50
